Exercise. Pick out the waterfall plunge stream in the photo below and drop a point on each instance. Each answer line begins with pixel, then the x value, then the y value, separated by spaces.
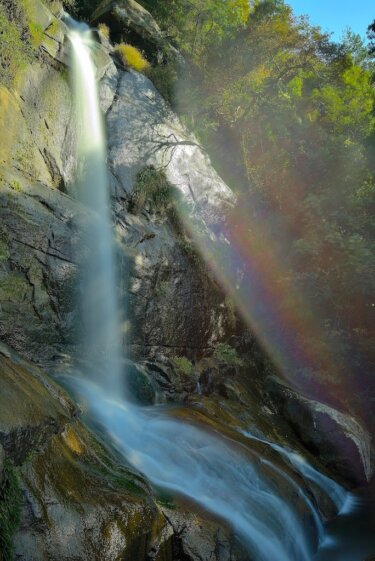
pixel 221 476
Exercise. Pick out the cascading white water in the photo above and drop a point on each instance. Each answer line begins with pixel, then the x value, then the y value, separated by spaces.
pixel 224 478
pixel 98 301
pixel 337 494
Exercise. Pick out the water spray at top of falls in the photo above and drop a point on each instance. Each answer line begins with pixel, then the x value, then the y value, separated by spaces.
pixel 250 494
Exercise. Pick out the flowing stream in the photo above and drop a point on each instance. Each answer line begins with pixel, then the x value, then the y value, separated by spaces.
pixel 251 494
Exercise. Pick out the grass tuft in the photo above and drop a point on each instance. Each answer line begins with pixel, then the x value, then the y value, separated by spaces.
pixel 103 30
pixel 131 56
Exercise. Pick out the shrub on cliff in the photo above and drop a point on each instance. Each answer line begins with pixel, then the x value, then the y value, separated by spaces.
pixel 182 364
pixel 131 56
pixel 164 78
pixel 151 187
pixel 226 353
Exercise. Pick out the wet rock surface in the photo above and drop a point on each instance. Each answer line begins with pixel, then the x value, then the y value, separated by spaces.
pixel 2 458
pixel 38 271
pixel 74 495
pixel 197 539
pixel 342 444
pixel 78 502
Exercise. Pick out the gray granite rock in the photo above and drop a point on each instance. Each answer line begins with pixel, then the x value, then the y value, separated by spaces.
pixel 131 22
pixel 143 130
pixel 337 439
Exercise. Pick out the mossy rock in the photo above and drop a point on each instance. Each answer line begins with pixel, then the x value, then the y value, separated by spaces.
pixel 10 506
pixel 139 385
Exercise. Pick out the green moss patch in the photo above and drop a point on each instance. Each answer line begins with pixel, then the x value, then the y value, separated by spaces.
pixel 13 287
pixel 4 250
pixel 227 354
pixel 15 52
pixel 10 508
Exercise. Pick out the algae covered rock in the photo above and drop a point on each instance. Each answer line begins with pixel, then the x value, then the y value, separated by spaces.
pixel 32 407
pixel 77 501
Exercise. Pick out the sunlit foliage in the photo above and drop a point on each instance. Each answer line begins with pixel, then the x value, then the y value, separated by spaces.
pixel 131 56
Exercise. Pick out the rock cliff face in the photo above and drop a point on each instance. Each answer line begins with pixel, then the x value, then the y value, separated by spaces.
pixel 42 221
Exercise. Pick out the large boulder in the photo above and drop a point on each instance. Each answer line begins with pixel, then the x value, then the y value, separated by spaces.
pixel 77 503
pixel 130 22
pixel 336 438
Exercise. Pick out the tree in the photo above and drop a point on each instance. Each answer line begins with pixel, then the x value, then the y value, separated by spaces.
pixel 371 36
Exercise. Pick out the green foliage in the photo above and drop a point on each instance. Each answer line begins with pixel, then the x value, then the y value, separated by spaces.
pixel 198 24
pixel 354 46
pixel 371 37
pixel 131 56
pixel 151 187
pixel 10 506
pixel 164 78
pixel 182 364
pixel 226 353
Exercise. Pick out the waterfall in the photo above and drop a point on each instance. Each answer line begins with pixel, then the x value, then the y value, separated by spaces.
pixel 250 494
pixel 98 297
